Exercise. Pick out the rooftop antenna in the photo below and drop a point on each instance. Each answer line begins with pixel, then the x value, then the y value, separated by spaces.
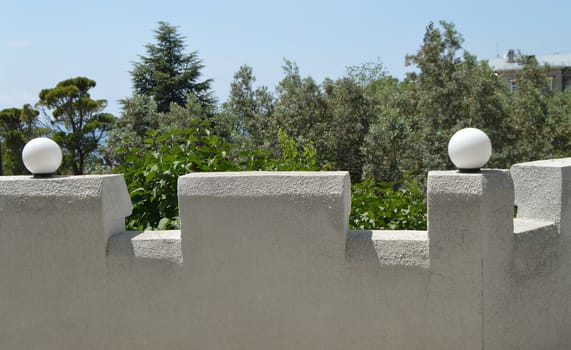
pixel 497 50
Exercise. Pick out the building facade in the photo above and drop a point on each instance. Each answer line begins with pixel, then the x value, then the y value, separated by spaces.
pixel 558 78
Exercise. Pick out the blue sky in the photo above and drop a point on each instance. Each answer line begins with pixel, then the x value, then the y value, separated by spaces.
pixel 44 42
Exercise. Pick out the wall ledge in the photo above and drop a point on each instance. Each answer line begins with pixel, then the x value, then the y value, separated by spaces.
pixel 157 245
pixel 524 228
pixel 389 248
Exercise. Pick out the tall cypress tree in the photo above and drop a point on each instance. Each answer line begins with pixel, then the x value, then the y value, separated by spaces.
pixel 168 74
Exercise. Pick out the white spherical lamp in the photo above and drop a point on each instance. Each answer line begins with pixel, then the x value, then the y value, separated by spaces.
pixel 469 149
pixel 42 156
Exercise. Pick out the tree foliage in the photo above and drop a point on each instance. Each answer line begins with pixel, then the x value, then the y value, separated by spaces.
pixel 78 121
pixel 151 171
pixel 389 205
pixel 386 132
pixel 532 133
pixel 249 110
pixel 347 121
pixel 558 124
pixel 389 147
pixel 17 127
pixel 300 109
pixel 292 156
pixel 333 115
pixel 168 74
pixel 452 90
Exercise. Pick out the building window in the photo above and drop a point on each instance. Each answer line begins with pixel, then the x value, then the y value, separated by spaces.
pixel 549 81
pixel 513 85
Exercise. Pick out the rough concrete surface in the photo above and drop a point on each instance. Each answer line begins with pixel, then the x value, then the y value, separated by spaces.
pixel 162 245
pixel 266 261
pixel 390 248
pixel 544 191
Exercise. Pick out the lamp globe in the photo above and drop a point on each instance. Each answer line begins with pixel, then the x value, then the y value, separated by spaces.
pixel 469 149
pixel 42 156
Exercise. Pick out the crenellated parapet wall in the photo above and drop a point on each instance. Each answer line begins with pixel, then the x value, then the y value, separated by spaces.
pixel 265 260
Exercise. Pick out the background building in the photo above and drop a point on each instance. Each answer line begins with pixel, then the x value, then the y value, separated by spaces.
pixel 558 77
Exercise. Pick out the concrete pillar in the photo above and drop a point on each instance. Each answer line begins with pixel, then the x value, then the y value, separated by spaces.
pixel 53 238
pixel 543 191
pixel 542 251
pixel 263 257
pixel 470 227
pixel 274 209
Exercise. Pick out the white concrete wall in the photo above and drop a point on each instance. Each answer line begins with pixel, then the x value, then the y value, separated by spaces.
pixel 539 282
pixel 266 261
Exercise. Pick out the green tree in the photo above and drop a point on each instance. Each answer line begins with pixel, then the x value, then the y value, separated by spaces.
pixel 292 157
pixel 559 124
pixel 334 115
pixel 151 170
pixel 367 73
pixel 78 121
pixel 436 92
pixel 531 136
pixel 484 104
pixel 139 116
pixel 451 90
pixel 389 147
pixel 168 74
pixel 250 109
pixel 300 108
pixel 17 127
pixel 346 123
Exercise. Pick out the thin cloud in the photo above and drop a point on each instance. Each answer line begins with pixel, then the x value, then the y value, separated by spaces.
pixel 19 44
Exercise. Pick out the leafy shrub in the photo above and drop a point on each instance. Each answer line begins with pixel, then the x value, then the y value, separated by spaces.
pixel 294 156
pixel 152 172
pixel 394 206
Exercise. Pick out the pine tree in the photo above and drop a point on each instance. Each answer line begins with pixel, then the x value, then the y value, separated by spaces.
pixel 79 123
pixel 168 74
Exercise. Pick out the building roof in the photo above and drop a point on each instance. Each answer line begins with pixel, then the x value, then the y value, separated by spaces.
pixel 554 61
